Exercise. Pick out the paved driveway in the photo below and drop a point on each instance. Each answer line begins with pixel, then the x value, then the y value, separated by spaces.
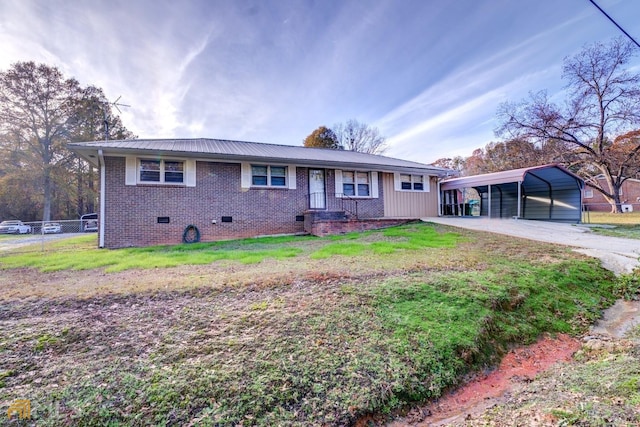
pixel 617 254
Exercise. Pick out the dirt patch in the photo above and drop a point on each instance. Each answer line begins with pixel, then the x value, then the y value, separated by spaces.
pixel 486 390
pixel 521 365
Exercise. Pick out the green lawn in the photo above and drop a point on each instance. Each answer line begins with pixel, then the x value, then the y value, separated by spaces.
pixel 625 224
pixel 319 331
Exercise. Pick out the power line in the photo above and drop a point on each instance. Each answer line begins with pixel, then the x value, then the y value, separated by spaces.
pixel 614 23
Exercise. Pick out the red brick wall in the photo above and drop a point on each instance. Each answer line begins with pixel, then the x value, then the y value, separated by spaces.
pixel 630 195
pixel 132 211
pixel 325 228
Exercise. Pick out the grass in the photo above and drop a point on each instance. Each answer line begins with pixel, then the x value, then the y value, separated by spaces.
pixel 626 225
pixel 630 218
pixel 80 253
pixel 347 326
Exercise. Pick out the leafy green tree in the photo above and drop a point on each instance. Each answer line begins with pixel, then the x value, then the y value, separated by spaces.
pixel 323 137
pixel 40 112
pixel 603 103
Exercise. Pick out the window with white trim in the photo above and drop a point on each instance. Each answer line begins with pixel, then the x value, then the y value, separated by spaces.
pixel 412 182
pixel 161 171
pixel 588 194
pixel 268 176
pixel 356 184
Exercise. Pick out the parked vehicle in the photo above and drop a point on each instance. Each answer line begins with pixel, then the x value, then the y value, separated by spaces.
pixel 91 225
pixel 51 227
pixel 14 227
pixel 89 222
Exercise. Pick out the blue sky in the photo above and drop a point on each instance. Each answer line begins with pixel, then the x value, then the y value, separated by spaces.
pixel 429 74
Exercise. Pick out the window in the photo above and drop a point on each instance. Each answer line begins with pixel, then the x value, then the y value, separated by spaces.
pixel 269 176
pixel 588 194
pixel 161 171
pixel 362 179
pixel 356 184
pixel 411 182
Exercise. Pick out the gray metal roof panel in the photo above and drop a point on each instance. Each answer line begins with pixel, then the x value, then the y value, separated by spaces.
pixel 514 175
pixel 240 149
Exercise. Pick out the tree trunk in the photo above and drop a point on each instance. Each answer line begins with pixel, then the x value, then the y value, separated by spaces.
pixel 80 189
pixel 614 191
pixel 46 214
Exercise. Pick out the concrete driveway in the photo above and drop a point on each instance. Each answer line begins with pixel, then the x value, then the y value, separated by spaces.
pixel 617 254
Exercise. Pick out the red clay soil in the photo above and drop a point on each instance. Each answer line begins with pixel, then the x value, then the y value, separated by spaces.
pixel 520 364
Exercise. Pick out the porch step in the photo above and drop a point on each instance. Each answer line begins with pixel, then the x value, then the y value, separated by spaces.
pixel 326 215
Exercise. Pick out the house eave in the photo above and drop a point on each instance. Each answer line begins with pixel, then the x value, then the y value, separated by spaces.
pixel 91 155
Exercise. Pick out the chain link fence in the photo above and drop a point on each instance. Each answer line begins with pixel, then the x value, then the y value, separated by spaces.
pixel 35 235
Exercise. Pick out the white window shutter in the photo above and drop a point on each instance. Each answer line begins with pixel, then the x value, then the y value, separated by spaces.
pixel 338 182
pixel 426 179
pixel 190 172
pixel 245 176
pixel 374 185
pixel 292 177
pixel 396 181
pixel 131 171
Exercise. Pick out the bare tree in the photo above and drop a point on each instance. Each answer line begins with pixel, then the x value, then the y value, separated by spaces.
pixel 603 101
pixel 355 136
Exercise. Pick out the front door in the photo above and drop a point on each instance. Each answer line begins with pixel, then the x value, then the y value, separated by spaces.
pixel 317 197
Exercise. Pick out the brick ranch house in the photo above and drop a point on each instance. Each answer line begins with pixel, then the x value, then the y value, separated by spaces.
pixel 629 196
pixel 152 190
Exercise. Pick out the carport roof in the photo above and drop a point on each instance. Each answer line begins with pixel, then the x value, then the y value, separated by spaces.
pixel 551 172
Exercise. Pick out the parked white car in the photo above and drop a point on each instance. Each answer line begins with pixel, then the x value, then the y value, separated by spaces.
pixel 91 225
pixel 51 227
pixel 14 227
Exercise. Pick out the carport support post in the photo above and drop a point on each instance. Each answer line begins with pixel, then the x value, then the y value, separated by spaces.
pixel 489 201
pixel 519 199
pixel 464 197
pixel 439 199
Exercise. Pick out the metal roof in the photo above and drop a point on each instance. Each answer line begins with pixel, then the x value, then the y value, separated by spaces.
pixel 553 172
pixel 240 150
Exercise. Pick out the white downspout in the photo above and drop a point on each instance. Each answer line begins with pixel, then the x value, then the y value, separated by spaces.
pixel 102 202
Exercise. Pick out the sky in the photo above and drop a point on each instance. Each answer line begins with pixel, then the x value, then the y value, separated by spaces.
pixel 429 74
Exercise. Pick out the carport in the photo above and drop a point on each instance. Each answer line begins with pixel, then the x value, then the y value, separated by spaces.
pixel 548 192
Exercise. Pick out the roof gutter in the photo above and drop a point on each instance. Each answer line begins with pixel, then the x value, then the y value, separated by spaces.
pixel 102 201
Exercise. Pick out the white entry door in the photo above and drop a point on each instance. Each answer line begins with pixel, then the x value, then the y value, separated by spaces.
pixel 317 196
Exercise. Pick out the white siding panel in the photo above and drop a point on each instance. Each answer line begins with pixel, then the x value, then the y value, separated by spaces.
pixel 409 204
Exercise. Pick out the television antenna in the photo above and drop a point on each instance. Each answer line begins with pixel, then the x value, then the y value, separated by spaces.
pixel 117 104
